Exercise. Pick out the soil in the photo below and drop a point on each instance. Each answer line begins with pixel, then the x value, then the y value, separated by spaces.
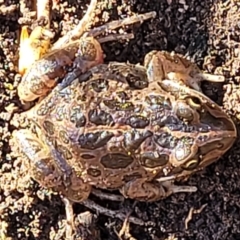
pixel 206 31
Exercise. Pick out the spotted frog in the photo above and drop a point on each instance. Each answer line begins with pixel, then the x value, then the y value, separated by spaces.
pixel 132 128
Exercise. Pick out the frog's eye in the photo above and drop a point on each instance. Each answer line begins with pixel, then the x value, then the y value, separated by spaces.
pixel 194 102
pixel 191 165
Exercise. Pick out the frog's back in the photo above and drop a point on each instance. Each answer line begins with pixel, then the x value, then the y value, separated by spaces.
pixel 113 128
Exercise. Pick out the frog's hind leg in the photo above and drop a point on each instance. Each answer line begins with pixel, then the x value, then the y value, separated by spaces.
pixel 142 190
pixel 48 167
pixel 90 53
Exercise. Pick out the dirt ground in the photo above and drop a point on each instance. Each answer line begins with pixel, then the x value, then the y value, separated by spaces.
pixel 205 30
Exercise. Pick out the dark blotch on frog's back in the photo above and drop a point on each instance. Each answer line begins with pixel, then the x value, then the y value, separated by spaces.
pixel 99 85
pixel 48 127
pixel 166 140
pixel 87 156
pixel 154 159
pixel 118 106
pixel 116 160
pixel 134 138
pixel 94 172
pixel 94 140
pixel 100 117
pixel 77 117
pixel 137 121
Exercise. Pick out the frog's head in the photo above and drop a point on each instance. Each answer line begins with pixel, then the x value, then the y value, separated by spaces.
pixel 204 131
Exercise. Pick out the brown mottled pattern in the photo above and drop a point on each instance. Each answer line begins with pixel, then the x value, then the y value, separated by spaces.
pixel 112 125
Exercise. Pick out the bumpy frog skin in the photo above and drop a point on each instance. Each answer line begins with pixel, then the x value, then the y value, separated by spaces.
pixel 127 127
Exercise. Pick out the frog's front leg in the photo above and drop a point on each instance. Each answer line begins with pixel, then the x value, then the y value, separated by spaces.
pixel 162 65
pixel 142 190
pixel 48 168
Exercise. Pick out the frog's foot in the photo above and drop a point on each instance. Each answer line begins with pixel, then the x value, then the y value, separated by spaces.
pixel 125 230
pixel 35 45
pixel 196 79
pixel 141 190
pixel 70 218
pixel 211 77
pixel 84 227
pixel 85 224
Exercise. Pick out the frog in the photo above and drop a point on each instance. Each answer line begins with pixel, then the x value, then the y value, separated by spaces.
pixel 134 128
pixel 126 127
